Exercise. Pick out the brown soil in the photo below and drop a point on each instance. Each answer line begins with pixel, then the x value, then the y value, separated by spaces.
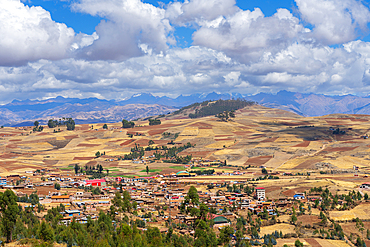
pixel 126 142
pixel 156 132
pixel 308 164
pixel 258 160
pixel 87 145
pixel 312 242
pixel 308 219
pixel 303 144
pixel 83 158
pixel 71 137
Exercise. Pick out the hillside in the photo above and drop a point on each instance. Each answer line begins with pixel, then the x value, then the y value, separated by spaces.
pixel 93 110
pixel 280 140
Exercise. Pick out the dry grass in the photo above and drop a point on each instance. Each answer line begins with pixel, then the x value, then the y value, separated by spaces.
pixel 284 228
pixel 362 212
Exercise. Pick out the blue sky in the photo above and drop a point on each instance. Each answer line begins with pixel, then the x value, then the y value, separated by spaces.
pixel 112 49
pixel 61 12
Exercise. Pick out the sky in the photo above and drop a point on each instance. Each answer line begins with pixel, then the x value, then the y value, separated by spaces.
pixel 112 49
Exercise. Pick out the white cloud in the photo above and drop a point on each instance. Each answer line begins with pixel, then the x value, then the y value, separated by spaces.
pixel 29 33
pixel 234 50
pixel 247 35
pixel 128 24
pixel 199 11
pixel 334 21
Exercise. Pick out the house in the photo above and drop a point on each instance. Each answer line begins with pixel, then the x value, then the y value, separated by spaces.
pixel 260 193
pixel 96 182
pixel 299 196
pixel 365 185
pixel 2 181
pixel 72 213
pixel 61 199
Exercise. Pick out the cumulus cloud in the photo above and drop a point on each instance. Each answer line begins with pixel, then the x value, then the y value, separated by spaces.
pixel 199 11
pixel 334 21
pixel 128 24
pixel 248 35
pixel 29 33
pixel 133 51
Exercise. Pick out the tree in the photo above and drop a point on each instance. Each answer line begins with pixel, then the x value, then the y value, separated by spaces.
pixel 57 186
pixel 154 121
pixel 147 169
pixel 366 196
pixel 192 196
pixel 52 123
pixel 264 171
pixel 126 204
pixel 225 235
pixel 9 212
pixel 298 243
pixel 70 124
pixel 45 232
pixel 36 124
pixel 105 126
pixel 151 142
pixel 127 124
pixel 76 168
pixel 97 154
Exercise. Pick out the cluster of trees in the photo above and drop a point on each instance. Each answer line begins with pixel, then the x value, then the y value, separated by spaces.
pixel 204 172
pixel 169 153
pixel 330 201
pixel 154 121
pixel 339 132
pixel 127 124
pixel 37 127
pixel 220 106
pixel 33 199
pixel 226 115
pixel 94 172
pixel 69 122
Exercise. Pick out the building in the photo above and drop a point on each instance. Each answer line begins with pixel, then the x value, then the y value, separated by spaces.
pixel 96 182
pixel 61 199
pixel 2 181
pixel 72 213
pixel 365 185
pixel 183 174
pixel 299 196
pixel 260 193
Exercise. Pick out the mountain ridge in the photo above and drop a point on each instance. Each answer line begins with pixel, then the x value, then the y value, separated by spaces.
pixel 145 104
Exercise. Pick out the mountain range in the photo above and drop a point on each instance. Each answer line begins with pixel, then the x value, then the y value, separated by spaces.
pixel 93 110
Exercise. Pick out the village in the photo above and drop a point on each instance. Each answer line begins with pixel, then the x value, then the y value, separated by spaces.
pixel 159 200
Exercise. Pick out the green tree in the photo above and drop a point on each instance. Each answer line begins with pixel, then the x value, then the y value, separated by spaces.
pixel 36 124
pixel 147 169
pixel 225 235
pixel 97 154
pixel 192 196
pixel 105 126
pixel 298 243
pixel 76 168
pixel 264 171
pixel 154 121
pixel 126 204
pixel 366 196
pixel 45 232
pixel 57 186
pixel 151 142
pixel 127 124
pixel 9 212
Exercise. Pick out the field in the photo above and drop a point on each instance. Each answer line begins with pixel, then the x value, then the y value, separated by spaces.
pixel 258 137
